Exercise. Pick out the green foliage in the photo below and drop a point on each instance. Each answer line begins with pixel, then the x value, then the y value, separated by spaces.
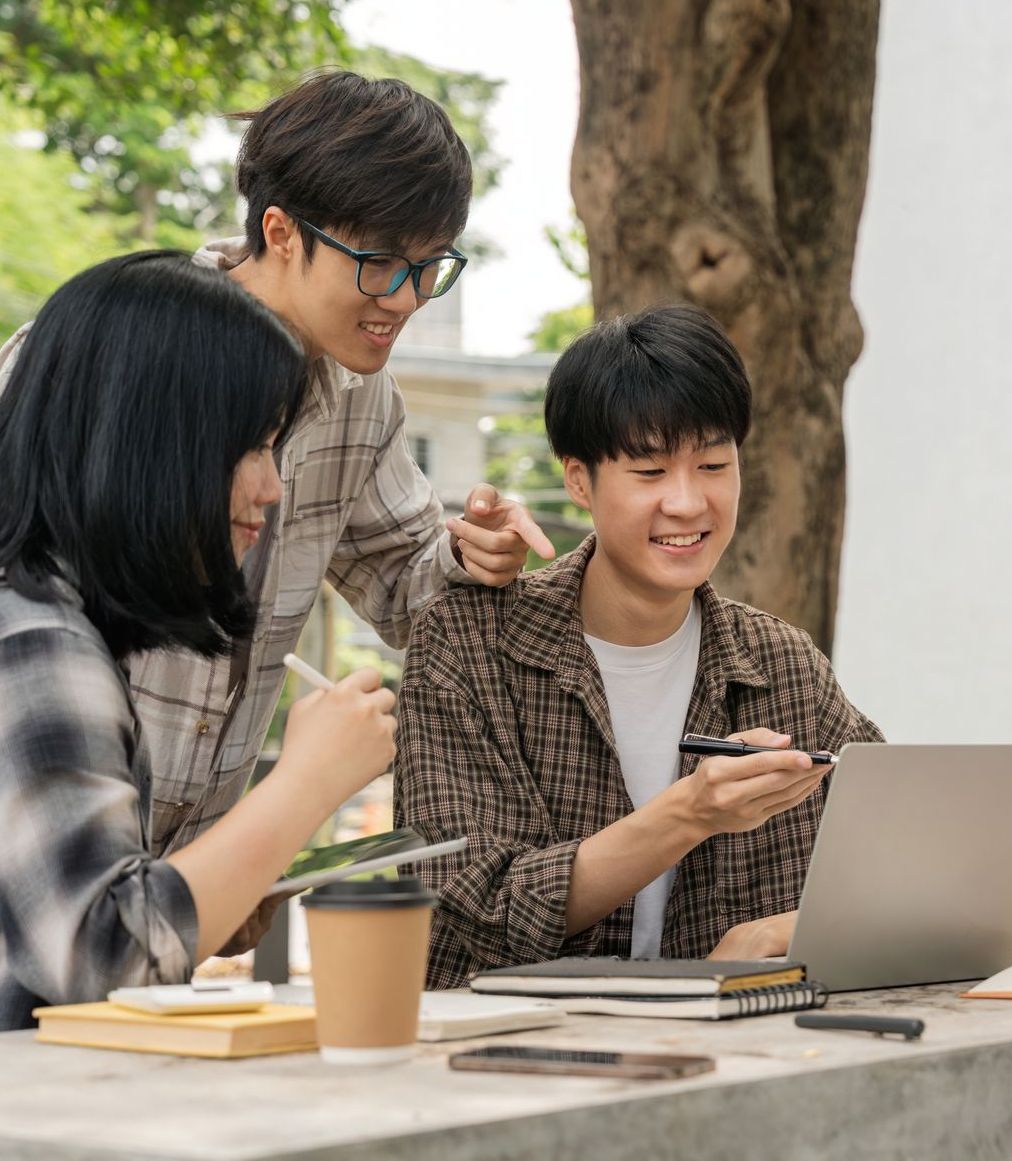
pixel 46 233
pixel 556 329
pixel 570 246
pixel 124 86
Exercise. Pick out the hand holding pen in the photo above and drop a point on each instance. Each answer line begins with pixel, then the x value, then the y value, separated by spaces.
pixel 345 729
pixel 735 748
pixel 742 782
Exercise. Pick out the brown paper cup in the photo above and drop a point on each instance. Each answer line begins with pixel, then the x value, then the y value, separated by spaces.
pixel 368 941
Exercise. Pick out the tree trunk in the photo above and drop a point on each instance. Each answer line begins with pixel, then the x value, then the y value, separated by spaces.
pixel 721 158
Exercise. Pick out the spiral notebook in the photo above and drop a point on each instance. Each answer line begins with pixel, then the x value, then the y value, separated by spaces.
pixel 698 989
pixel 726 1006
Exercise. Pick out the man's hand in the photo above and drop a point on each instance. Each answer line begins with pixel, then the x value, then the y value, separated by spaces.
pixel 758 939
pixel 494 535
pixel 728 795
pixel 255 927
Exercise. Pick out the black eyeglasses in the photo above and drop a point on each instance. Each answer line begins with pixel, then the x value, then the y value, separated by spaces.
pixel 380 274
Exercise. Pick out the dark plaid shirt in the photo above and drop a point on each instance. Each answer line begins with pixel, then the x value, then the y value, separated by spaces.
pixel 83 905
pixel 505 736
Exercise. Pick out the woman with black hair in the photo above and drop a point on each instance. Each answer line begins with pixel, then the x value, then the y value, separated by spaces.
pixel 136 463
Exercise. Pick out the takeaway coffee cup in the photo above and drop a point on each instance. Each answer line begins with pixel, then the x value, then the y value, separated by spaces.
pixel 367 942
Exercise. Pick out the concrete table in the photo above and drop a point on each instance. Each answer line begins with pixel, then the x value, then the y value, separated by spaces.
pixel 779 1092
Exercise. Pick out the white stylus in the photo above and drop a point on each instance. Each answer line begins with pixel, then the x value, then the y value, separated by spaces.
pixel 307 672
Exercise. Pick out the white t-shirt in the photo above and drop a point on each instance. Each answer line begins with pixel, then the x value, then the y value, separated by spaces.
pixel 648 689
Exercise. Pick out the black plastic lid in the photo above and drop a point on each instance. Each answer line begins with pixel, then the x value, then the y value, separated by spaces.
pixel 371 893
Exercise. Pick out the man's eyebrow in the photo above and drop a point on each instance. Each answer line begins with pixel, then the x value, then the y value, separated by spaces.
pixel 715 441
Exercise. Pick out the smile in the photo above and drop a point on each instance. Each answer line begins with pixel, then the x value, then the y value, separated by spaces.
pixel 679 541
pixel 378 328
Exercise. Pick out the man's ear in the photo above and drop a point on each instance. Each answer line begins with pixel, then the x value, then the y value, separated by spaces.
pixel 281 234
pixel 576 476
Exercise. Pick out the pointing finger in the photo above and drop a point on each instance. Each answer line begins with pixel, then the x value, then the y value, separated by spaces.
pixel 532 534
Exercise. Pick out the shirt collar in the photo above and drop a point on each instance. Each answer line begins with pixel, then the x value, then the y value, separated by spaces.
pixel 545 629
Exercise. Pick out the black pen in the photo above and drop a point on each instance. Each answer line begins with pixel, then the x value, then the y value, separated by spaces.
pixel 700 744
pixel 906 1027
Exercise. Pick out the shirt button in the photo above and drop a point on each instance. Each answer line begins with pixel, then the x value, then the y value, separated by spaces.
pixel 203 726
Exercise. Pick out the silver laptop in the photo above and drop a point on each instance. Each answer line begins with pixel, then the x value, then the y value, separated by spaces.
pixel 911 876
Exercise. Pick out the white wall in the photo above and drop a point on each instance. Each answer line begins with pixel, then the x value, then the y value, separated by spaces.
pixel 924 639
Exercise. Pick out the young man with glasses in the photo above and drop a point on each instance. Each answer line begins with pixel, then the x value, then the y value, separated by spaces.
pixel 356 191
pixel 542 720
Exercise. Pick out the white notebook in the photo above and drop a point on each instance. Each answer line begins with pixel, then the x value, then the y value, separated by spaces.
pixel 459 1015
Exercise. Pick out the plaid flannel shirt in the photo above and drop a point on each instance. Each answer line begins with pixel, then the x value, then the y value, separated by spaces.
pixel 505 737
pixel 83 905
pixel 357 511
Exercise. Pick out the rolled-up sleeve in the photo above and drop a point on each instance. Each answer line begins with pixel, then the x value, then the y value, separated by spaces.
pixel 83 905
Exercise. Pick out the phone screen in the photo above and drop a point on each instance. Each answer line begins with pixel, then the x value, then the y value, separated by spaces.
pixel 581 1062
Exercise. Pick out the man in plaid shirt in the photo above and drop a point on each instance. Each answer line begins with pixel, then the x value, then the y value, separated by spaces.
pixel 542 719
pixel 356 191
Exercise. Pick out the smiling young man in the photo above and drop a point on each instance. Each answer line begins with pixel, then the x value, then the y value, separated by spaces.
pixel 542 720
pixel 356 191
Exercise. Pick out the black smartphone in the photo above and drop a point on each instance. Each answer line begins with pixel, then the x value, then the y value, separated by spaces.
pixel 581 1062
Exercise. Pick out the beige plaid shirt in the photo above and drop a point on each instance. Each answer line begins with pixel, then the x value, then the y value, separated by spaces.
pixel 505 737
pixel 357 511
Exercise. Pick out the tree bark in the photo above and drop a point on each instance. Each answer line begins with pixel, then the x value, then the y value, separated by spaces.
pixel 721 158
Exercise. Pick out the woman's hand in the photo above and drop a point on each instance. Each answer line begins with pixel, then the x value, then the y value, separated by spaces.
pixel 339 739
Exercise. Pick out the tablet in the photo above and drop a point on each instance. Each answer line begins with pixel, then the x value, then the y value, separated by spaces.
pixel 317 866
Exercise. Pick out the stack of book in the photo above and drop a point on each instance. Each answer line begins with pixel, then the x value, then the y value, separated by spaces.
pixel 214 1023
pixel 700 989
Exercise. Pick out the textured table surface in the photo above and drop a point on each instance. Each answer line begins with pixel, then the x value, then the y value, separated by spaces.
pixel 778 1091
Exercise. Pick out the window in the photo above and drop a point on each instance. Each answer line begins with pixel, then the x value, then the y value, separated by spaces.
pixel 421 451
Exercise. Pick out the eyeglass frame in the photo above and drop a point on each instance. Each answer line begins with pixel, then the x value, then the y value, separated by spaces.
pixel 413 270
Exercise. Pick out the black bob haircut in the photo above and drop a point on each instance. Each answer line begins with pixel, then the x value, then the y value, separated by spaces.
pixel 650 382
pixel 372 159
pixel 139 388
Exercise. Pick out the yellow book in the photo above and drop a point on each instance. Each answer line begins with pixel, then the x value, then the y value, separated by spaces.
pixel 221 1035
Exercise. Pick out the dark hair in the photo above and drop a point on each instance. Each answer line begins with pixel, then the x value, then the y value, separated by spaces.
pixel 373 159
pixel 647 382
pixel 139 388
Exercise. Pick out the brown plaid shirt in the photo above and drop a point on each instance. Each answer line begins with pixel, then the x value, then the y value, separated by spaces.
pixel 505 736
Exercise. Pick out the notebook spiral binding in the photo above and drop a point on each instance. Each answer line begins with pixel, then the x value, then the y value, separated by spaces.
pixel 779 998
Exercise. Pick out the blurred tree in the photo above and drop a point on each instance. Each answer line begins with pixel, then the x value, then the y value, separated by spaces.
pixel 127 87
pixel 46 233
pixel 122 91
pixel 557 328
pixel 570 246
pixel 721 157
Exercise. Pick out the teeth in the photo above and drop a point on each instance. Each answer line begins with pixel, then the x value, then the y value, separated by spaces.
pixel 679 541
pixel 378 328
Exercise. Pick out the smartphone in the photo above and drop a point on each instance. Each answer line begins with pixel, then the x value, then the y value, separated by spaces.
pixel 581 1062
